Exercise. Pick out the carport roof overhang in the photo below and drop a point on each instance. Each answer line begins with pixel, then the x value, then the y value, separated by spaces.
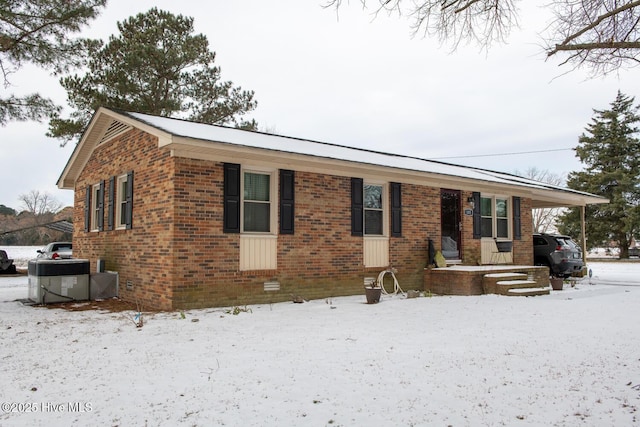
pixel 540 200
pixel 223 144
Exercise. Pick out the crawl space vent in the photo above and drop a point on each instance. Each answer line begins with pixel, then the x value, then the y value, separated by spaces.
pixel 271 286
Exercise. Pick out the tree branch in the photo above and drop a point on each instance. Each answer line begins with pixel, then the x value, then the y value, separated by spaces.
pixel 599 20
pixel 594 45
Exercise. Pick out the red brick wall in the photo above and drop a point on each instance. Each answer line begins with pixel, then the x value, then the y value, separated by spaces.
pixel 176 255
pixel 320 260
pixel 471 248
pixel 523 248
pixel 141 256
pixel 420 222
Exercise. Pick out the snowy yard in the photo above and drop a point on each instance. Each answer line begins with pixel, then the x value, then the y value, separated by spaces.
pixel 568 359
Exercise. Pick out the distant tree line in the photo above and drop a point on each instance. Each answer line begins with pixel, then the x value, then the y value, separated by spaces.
pixel 39 208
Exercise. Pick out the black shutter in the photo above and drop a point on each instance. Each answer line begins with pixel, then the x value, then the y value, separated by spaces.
pixel 87 209
pixel 357 207
pixel 287 199
pixel 100 203
pixel 517 223
pixel 128 212
pixel 110 203
pixel 231 208
pixel 396 209
pixel 477 217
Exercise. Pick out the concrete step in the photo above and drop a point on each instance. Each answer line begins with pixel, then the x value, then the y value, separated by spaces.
pixel 520 288
pixel 528 292
pixel 490 281
pixel 504 276
pixel 519 283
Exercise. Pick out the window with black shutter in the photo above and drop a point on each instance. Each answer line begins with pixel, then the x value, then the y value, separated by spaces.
pixel 357 207
pixel 287 201
pixel 129 202
pixel 111 203
pixel 477 215
pixel 231 197
pixel 517 223
pixel 87 209
pixel 396 209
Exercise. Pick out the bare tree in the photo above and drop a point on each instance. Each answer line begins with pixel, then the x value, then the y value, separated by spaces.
pixel 544 219
pixel 40 204
pixel 602 35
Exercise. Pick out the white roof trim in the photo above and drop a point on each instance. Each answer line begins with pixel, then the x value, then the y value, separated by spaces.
pixel 189 139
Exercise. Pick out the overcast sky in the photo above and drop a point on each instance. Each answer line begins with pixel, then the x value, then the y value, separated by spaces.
pixel 354 80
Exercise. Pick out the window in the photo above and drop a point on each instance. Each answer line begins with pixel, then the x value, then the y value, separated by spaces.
pixel 250 197
pixel 121 202
pixel 494 212
pixel 486 212
pixel 502 218
pixel 368 206
pixel 256 203
pixel 95 200
pixel 373 210
pixel 118 211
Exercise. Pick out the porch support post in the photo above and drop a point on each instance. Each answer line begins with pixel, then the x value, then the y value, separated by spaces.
pixel 583 229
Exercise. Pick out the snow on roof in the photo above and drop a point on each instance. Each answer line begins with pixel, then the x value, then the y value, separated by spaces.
pixel 227 135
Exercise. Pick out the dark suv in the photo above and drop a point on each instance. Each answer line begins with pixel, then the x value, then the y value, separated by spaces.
pixel 560 253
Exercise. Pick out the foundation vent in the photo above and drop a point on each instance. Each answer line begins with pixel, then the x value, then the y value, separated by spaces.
pixel 271 286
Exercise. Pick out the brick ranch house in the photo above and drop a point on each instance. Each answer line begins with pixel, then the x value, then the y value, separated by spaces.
pixel 194 215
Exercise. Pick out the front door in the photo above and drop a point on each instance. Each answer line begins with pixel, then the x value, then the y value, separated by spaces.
pixel 450 223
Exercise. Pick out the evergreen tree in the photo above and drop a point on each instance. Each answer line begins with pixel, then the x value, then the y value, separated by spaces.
pixel 156 65
pixel 610 151
pixel 37 32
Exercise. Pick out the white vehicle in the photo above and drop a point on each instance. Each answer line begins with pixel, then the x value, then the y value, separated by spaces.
pixel 56 250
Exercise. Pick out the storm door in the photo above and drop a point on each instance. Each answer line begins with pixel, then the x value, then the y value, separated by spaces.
pixel 451 224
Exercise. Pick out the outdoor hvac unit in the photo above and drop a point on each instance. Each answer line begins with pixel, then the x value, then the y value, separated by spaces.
pixel 52 281
pixel 103 285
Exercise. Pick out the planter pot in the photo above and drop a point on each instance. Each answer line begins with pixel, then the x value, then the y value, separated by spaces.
pixel 373 295
pixel 556 283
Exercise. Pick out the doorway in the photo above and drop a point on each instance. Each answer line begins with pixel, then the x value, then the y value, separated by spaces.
pixel 451 223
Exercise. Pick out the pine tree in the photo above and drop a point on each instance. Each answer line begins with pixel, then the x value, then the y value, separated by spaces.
pixel 39 32
pixel 156 65
pixel 610 152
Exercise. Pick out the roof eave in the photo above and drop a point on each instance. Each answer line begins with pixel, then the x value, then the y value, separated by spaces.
pixel 93 135
pixel 224 152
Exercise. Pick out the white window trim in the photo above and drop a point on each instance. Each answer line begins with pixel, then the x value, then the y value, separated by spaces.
pixel 121 198
pixel 95 203
pixel 273 195
pixel 494 217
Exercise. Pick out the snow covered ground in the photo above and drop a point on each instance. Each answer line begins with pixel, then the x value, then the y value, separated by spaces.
pixel 568 359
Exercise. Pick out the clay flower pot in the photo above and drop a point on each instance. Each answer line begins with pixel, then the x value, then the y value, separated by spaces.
pixel 556 283
pixel 373 294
